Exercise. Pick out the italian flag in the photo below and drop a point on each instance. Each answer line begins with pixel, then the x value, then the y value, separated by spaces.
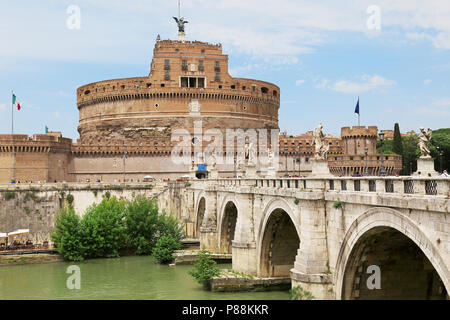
pixel 14 101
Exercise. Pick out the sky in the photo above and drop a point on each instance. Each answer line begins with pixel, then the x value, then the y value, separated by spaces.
pixel 392 54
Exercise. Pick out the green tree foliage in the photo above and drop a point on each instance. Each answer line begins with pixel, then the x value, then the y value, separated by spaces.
pixel 397 146
pixel 205 269
pixel 169 225
pixel 441 139
pixel 113 225
pixel 410 154
pixel 67 235
pixel 103 228
pixel 165 247
pixel 141 225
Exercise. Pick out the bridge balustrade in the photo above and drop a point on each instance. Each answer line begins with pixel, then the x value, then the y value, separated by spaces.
pixel 431 186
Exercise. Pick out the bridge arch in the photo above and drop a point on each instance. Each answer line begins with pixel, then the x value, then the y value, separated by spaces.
pixel 227 225
pixel 200 209
pixel 279 239
pixel 407 259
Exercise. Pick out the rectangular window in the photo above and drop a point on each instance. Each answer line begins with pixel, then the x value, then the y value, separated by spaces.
pixel 166 64
pixel 167 75
pixel 184 66
pixel 192 82
pixel 217 66
pixel 217 77
pixel 201 67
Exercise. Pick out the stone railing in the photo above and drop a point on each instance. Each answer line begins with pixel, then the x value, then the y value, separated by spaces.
pixel 434 186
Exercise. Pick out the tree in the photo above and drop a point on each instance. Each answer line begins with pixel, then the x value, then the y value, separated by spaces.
pixel 205 269
pixel 410 153
pixel 103 228
pixel 397 146
pixel 67 235
pixel 141 225
pixel 165 247
pixel 441 140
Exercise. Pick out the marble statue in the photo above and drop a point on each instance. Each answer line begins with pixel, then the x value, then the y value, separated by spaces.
pixel 424 142
pixel 320 147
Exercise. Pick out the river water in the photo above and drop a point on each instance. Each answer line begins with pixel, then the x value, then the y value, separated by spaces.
pixel 119 278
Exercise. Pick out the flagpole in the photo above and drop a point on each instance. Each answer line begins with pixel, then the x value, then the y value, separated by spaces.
pixel 12 112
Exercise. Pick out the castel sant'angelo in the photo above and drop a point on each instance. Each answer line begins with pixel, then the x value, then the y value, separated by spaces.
pixel 126 125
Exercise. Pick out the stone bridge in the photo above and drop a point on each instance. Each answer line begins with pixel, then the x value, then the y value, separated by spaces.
pixel 325 233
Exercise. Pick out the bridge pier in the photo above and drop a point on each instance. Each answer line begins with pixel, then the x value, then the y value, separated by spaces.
pixel 311 268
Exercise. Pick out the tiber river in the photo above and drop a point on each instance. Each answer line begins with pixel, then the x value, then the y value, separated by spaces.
pixel 121 278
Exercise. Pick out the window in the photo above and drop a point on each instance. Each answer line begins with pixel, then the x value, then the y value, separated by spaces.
pixel 203 50
pixel 217 77
pixel 87 92
pixel 220 86
pixel 233 87
pixel 217 66
pixel 201 67
pixel 244 107
pixel 123 87
pixel 264 90
pixel 253 88
pixel 166 64
pixel 275 93
pixel 149 85
pixel 192 82
pixel 306 160
pixel 156 105
pixel 244 88
pixel 167 75
pixel 162 85
pixel 184 66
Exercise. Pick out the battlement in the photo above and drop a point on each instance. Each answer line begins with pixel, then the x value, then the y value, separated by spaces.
pixel 359 131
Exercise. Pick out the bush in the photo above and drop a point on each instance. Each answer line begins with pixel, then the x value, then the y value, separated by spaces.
pixel 169 226
pixel 205 269
pixel 10 195
pixel 107 195
pixel 103 228
pixel 164 248
pixel 337 204
pixel 141 225
pixel 70 199
pixel 67 235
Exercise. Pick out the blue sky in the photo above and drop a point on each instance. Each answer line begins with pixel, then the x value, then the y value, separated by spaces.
pixel 322 55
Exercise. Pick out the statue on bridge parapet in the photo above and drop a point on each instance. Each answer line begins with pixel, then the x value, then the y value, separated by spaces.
pixel 425 164
pixel 424 142
pixel 320 148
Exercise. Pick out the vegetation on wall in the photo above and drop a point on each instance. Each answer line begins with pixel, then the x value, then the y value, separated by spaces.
pixel 10 195
pixel 112 225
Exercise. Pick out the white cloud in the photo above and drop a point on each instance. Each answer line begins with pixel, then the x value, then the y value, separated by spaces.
pixel 321 83
pixel 367 83
pixel 427 81
pixel 299 82
pixel 277 30
pixel 444 102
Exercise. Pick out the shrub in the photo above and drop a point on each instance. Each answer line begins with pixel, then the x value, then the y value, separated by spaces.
pixel 297 201
pixel 107 195
pixel 187 184
pixel 10 195
pixel 164 248
pixel 70 199
pixel 337 204
pixel 67 235
pixel 141 225
pixel 298 293
pixel 103 228
pixel 205 269
pixel 169 225
pixel 95 192
pixel 31 195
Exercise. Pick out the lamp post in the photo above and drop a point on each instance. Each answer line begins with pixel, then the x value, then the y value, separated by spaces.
pixel 125 156
pixel 366 152
pixel 440 153
pixel 286 153
pixel 382 170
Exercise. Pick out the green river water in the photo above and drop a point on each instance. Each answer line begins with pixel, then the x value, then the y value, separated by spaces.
pixel 121 278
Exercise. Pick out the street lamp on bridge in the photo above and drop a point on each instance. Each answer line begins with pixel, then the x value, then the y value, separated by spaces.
pixel 383 172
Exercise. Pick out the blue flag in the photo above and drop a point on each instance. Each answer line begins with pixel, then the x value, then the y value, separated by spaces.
pixel 357 107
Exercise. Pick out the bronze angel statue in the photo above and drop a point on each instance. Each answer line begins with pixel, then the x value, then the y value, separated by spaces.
pixel 181 22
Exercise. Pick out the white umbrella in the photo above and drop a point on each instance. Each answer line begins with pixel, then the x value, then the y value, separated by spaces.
pixel 18 232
